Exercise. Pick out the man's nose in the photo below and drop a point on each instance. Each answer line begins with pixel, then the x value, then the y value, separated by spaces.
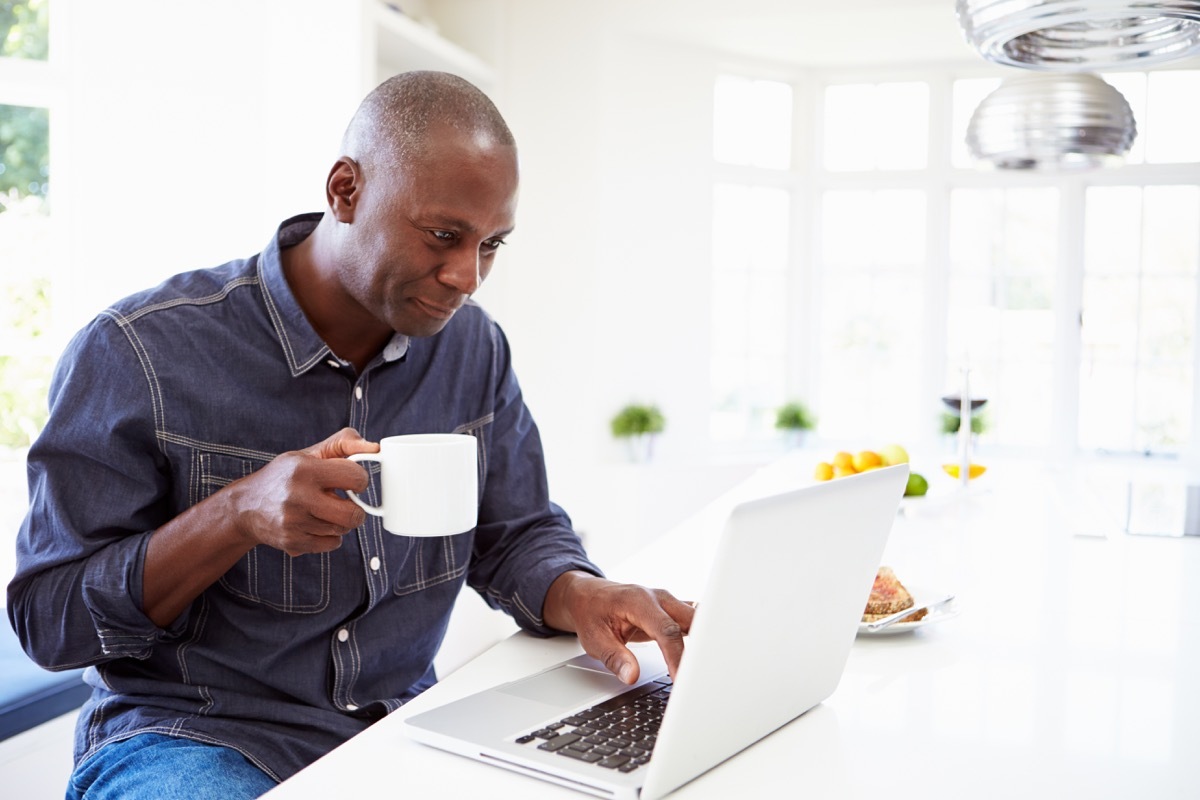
pixel 462 273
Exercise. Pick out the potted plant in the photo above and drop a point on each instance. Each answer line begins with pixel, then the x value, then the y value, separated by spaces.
pixel 795 420
pixel 637 425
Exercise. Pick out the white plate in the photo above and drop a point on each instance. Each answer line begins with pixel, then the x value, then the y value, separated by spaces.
pixel 948 611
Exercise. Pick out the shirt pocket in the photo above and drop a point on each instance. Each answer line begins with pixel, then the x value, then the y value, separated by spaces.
pixel 434 561
pixel 266 576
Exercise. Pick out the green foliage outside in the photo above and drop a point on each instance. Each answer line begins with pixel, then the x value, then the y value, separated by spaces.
pixel 25 29
pixel 25 364
pixel 24 131
pixel 634 419
pixel 24 375
pixel 794 416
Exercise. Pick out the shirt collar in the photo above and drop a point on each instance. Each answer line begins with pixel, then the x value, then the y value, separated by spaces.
pixel 302 347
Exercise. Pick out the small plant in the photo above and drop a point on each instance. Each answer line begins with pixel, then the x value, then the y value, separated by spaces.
pixel 794 416
pixel 635 420
pixel 951 423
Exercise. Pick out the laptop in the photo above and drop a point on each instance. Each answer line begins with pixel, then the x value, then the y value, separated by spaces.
pixel 772 632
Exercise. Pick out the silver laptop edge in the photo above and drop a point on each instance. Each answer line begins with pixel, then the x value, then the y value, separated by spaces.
pixel 782 604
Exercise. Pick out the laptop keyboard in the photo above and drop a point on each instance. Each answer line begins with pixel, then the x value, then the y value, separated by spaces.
pixel 616 734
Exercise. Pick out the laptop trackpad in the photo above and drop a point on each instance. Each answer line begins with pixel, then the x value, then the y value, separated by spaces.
pixel 566 686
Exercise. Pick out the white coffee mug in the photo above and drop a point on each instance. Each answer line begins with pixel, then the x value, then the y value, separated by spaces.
pixel 429 482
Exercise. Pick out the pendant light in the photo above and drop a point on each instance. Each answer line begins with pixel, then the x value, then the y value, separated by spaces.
pixel 1052 121
pixel 1091 35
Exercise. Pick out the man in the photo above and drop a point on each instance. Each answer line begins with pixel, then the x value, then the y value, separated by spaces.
pixel 188 534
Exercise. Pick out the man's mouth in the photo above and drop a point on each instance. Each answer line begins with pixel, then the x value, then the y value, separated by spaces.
pixel 434 310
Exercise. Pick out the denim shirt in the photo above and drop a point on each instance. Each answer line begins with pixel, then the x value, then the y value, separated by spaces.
pixel 172 394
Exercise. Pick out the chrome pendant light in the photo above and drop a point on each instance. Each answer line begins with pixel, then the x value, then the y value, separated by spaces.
pixel 1052 122
pixel 1091 35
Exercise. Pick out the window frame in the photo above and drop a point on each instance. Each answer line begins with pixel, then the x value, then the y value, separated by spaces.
pixel 808 180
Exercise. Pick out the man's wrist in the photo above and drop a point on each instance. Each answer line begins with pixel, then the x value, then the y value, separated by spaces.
pixel 556 609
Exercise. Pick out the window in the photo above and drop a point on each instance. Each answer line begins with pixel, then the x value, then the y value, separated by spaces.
pixel 1142 248
pixel 1000 305
pixel 751 235
pixel 876 126
pixel 26 356
pixel 872 270
pixel 1071 296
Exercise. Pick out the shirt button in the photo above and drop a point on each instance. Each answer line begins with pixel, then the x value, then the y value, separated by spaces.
pixel 358 393
pixel 375 563
pixel 331 362
pixel 351 707
pixel 343 635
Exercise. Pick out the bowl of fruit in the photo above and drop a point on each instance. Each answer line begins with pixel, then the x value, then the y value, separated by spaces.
pixel 846 463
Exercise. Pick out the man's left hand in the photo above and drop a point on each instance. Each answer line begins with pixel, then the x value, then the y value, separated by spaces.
pixel 607 615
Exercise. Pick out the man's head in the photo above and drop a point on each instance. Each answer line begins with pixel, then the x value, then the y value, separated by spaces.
pixel 424 194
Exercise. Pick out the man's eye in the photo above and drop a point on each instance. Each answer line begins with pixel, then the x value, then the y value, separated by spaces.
pixel 443 236
pixel 492 244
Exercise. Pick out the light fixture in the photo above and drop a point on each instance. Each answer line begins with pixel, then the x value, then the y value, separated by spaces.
pixel 1092 35
pixel 1052 121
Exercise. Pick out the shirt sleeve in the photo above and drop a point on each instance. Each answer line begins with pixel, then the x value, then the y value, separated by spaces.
pixel 98 486
pixel 523 541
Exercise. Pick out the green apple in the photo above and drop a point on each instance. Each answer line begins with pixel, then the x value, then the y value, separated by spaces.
pixel 893 454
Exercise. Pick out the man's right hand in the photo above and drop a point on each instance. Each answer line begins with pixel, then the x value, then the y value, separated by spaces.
pixel 291 504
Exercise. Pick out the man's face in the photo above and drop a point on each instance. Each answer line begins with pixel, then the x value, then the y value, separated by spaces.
pixel 425 237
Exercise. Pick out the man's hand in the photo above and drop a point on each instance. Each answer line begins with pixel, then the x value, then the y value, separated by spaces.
pixel 607 615
pixel 292 505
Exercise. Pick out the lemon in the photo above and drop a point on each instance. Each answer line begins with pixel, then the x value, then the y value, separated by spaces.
pixel 916 486
pixel 843 460
pixel 867 459
pixel 841 472
pixel 893 454
pixel 974 471
pixel 824 471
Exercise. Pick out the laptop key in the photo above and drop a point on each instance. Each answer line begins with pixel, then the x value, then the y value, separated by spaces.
pixel 559 742
pixel 612 762
pixel 580 755
pixel 628 766
pixel 526 739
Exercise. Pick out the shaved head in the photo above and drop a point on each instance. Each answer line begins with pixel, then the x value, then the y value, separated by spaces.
pixel 396 122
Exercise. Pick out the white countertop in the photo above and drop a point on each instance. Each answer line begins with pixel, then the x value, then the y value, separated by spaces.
pixel 1071 670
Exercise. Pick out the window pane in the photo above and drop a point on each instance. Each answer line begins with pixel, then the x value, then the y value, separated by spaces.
pixel 1000 314
pixel 1113 243
pixel 869 126
pixel 25 245
pixel 1139 317
pixel 749 309
pixel 871 307
pixel 1173 117
pixel 752 122
pixel 24 29
pixel 24 155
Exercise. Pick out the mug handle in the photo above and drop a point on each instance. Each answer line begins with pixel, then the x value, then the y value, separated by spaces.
pixel 367 507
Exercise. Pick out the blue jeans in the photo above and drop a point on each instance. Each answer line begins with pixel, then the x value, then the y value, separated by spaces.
pixel 151 765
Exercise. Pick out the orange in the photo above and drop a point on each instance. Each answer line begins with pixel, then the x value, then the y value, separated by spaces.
pixel 841 472
pixel 867 459
pixel 843 460
pixel 824 471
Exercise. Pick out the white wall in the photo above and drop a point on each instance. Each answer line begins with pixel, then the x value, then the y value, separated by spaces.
pixel 192 129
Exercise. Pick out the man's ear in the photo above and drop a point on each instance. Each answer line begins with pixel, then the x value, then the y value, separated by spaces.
pixel 343 188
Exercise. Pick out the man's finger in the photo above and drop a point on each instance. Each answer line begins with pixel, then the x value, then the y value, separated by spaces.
pixel 344 443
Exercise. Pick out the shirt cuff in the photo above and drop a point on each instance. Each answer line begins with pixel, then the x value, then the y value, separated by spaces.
pixel 112 592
